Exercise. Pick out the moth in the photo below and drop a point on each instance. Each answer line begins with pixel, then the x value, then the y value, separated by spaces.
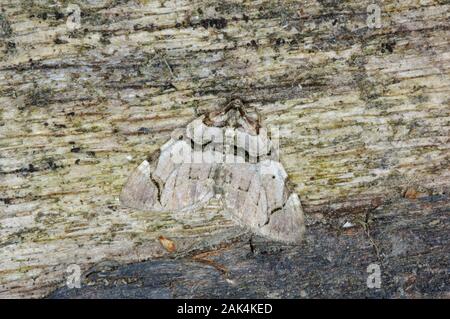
pixel 223 154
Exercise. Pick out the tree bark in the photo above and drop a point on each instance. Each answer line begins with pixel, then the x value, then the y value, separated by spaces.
pixel 406 241
pixel 364 116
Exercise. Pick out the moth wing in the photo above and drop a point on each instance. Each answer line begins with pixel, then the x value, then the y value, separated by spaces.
pixel 286 224
pixel 285 213
pixel 140 191
pixel 255 145
pixel 245 197
pixel 172 154
pixel 188 187
pixel 143 188
pixel 258 198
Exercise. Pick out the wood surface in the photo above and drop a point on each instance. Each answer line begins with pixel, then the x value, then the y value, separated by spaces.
pixel 363 112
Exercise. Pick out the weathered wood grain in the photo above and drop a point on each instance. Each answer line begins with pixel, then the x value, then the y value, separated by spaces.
pixel 332 263
pixel 364 115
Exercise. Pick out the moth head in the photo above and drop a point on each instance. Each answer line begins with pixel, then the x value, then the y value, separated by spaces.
pixel 236 104
pixel 235 115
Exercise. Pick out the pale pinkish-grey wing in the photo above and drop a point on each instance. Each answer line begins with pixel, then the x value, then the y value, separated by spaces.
pixel 257 197
pixel 140 191
pixel 286 224
pixel 189 187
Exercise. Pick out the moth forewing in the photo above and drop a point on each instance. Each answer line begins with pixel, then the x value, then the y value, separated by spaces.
pixel 222 154
pixel 140 191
